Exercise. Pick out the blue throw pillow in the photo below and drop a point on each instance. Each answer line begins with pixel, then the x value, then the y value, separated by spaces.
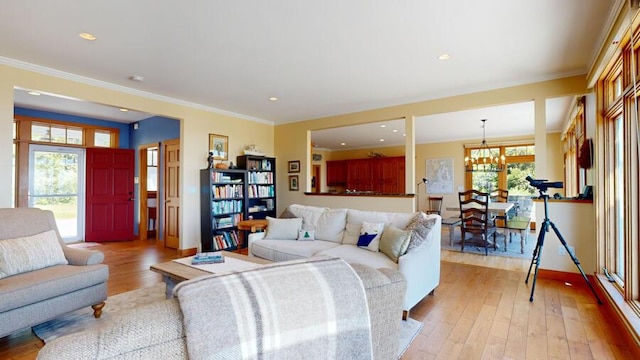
pixel 365 239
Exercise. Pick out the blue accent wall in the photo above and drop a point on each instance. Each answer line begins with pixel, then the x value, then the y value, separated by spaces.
pixel 123 141
pixel 155 129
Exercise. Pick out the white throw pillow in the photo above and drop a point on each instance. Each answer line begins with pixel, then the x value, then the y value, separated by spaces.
pixel 306 235
pixel 368 229
pixel 283 229
pixel 30 253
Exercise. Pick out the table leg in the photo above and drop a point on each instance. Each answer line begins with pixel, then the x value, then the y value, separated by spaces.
pixel 170 284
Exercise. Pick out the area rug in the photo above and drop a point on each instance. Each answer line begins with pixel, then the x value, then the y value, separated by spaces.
pixel 512 250
pixel 409 329
pixel 83 319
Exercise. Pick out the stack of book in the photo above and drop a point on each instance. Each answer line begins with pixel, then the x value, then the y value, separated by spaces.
pixel 207 258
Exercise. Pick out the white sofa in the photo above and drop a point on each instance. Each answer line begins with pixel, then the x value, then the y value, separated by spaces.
pixel 336 233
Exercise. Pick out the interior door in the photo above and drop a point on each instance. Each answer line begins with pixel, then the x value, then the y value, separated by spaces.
pixel 172 194
pixel 109 200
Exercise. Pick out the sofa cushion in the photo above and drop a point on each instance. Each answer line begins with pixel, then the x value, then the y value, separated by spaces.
pixel 283 250
pixel 283 229
pixel 355 218
pixel 30 253
pixel 328 224
pixel 366 240
pixel 306 235
pixel 420 226
pixel 356 255
pixel 394 242
pixel 35 286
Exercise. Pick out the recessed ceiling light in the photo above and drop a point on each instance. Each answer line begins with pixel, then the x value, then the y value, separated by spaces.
pixel 34 93
pixel 383 126
pixel 124 110
pixel 444 57
pixel 395 130
pixel 87 36
pixel 343 144
pixel 381 140
pixel 273 98
pixel 404 134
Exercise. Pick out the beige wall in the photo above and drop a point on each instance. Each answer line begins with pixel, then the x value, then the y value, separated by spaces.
pixel 388 151
pixel 195 126
pixel 291 138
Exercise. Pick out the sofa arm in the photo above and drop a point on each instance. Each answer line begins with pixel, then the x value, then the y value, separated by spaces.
pixel 421 268
pixel 254 237
pixel 152 331
pixel 82 256
pixel 385 290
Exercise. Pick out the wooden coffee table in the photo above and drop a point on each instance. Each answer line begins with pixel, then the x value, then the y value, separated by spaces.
pixel 174 272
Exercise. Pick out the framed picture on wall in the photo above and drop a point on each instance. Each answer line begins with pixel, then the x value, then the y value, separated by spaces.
pixel 294 166
pixel 293 183
pixel 219 146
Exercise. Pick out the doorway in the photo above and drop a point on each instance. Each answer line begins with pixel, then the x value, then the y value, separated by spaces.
pixel 56 183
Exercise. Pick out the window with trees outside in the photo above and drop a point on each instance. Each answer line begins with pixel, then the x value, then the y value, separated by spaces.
pixel 618 175
pixel 520 163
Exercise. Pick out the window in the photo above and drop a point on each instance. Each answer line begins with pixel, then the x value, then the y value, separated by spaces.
pixel 102 138
pixel 152 169
pixel 29 130
pixel 573 141
pixel 520 163
pixel 55 133
pixel 617 174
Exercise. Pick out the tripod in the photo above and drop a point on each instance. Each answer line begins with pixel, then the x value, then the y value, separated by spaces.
pixel 537 253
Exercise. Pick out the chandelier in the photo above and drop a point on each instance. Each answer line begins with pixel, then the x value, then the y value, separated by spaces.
pixel 483 159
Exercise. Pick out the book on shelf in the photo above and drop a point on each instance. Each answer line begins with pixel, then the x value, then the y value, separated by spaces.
pixel 224 240
pixel 207 258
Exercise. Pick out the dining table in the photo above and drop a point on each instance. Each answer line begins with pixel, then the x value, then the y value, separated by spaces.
pixel 497 207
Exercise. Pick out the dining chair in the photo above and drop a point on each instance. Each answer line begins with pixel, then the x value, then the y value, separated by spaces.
pixel 500 195
pixel 476 219
pixel 435 205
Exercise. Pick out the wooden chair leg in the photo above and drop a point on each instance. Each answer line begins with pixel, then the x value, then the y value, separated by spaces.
pixel 97 309
pixel 405 314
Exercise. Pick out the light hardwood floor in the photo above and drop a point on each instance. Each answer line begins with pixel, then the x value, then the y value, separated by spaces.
pixel 480 310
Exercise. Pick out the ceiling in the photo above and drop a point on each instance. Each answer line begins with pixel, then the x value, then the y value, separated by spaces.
pixel 319 58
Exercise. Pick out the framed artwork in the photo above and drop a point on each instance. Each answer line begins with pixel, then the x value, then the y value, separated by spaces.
pixel 293 182
pixel 294 166
pixel 219 146
pixel 439 176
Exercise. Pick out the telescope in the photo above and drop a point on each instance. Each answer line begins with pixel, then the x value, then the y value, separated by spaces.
pixel 543 184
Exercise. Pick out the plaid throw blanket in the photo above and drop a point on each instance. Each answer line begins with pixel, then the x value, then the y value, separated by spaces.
pixel 304 309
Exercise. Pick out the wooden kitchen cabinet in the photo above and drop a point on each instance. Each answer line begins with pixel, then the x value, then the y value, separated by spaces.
pixel 378 175
pixel 337 173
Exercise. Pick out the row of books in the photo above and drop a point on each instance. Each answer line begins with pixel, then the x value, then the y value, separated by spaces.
pixel 226 206
pixel 226 222
pixel 260 177
pixel 207 258
pixel 227 191
pixel 225 240
pixel 219 177
pixel 259 165
pixel 256 191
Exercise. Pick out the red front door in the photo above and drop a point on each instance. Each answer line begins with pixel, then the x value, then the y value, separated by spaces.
pixel 109 200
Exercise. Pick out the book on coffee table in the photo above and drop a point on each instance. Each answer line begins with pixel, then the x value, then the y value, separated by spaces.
pixel 207 258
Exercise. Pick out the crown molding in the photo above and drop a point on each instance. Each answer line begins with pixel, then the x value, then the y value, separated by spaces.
pixel 109 86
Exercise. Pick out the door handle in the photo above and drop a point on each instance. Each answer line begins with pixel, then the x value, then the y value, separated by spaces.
pixel 168 201
pixel 131 199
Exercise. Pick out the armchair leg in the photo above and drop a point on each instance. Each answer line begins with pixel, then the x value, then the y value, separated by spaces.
pixel 405 314
pixel 97 309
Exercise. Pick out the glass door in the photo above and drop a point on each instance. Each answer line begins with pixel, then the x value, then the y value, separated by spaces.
pixel 56 183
